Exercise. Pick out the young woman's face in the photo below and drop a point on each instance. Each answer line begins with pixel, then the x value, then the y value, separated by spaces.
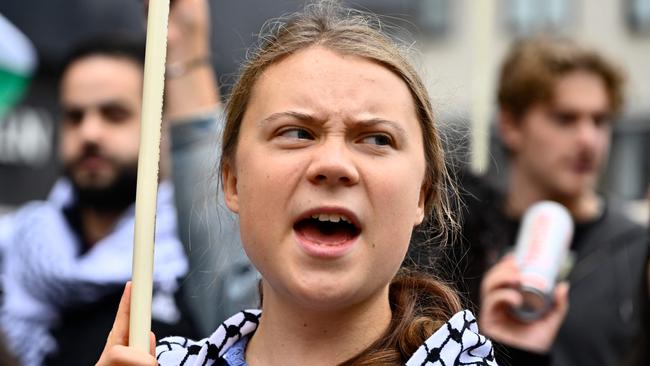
pixel 327 179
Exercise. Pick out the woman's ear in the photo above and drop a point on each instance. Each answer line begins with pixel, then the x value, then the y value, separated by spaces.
pixel 229 179
pixel 419 213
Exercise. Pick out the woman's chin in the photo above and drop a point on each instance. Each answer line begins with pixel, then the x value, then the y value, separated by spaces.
pixel 339 298
pixel 325 295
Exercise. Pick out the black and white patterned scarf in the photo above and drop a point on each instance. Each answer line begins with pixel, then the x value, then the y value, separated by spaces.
pixel 456 343
pixel 44 273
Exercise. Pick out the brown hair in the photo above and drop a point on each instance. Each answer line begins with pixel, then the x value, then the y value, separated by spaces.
pixel 533 66
pixel 420 305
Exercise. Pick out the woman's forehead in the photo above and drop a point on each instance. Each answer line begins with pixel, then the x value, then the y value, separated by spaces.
pixel 325 80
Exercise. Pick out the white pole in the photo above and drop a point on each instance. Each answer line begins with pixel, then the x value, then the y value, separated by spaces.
pixel 481 111
pixel 149 155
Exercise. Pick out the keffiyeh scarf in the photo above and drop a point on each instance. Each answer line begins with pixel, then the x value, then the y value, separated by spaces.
pixel 456 343
pixel 44 273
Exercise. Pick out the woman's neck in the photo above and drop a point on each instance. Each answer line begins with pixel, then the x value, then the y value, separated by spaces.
pixel 294 335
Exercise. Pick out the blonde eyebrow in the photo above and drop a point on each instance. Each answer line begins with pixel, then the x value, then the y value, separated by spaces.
pixel 290 114
pixel 367 123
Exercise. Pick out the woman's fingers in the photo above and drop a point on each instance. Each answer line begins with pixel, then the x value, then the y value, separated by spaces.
pixel 152 344
pixel 119 334
pixel 126 356
pixel 117 352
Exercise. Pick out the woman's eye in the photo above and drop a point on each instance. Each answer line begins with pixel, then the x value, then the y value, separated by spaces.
pixel 380 140
pixel 297 133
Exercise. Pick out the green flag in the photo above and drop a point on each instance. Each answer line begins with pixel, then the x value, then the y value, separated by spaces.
pixel 17 64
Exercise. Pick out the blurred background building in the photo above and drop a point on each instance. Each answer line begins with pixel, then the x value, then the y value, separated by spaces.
pixel 458 44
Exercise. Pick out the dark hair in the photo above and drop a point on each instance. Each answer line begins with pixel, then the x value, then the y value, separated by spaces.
pixel 419 304
pixel 113 45
pixel 533 66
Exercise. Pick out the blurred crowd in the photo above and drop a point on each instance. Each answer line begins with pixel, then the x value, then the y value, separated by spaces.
pixel 65 259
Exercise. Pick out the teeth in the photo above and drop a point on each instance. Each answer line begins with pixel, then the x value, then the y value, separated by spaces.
pixel 332 218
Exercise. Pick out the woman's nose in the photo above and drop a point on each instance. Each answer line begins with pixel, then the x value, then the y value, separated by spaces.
pixel 333 164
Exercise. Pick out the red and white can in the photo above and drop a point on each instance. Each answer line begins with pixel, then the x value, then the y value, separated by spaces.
pixel 541 249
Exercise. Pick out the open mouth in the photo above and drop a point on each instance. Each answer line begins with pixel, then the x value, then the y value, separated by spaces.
pixel 327 229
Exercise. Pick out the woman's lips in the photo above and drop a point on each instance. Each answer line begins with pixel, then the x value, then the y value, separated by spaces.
pixel 323 250
pixel 327 232
pixel 331 243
